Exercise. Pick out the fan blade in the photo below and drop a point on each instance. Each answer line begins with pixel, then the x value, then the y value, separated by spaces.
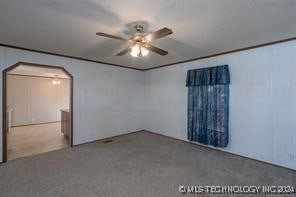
pixel 124 51
pixel 155 49
pixel 111 36
pixel 159 34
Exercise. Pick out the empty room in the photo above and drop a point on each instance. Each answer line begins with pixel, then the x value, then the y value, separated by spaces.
pixel 150 98
pixel 37 104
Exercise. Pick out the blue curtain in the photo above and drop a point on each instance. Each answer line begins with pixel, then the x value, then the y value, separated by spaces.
pixel 208 105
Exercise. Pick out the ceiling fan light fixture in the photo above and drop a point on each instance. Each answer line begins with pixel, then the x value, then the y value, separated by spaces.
pixel 56 81
pixel 138 51
pixel 139 42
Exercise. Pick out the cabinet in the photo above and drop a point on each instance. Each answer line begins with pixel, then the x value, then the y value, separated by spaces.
pixel 66 122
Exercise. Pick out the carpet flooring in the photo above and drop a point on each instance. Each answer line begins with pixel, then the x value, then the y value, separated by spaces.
pixel 140 164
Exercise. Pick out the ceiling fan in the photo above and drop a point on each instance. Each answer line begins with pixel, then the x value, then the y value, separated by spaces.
pixel 139 42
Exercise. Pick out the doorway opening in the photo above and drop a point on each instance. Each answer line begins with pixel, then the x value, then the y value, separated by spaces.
pixel 37 109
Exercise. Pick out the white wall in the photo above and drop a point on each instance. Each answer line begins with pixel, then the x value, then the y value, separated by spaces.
pixel 110 101
pixel 106 98
pixel 36 100
pixel 262 102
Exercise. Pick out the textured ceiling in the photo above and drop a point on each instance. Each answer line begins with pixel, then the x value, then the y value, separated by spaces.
pixel 38 71
pixel 201 27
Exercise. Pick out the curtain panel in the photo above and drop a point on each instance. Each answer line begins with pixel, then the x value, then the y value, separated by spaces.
pixel 208 105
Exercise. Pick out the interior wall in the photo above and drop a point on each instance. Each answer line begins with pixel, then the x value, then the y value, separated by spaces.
pixel 36 100
pixel 107 99
pixel 262 102
pixel 110 101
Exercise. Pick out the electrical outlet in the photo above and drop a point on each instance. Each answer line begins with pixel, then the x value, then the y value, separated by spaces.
pixel 292 156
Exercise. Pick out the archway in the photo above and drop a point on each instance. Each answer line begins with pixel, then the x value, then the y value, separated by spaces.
pixel 4 102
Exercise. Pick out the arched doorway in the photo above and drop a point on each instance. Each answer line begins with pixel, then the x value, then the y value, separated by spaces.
pixel 5 114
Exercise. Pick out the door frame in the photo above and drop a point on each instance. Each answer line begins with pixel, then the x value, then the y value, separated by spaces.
pixel 4 102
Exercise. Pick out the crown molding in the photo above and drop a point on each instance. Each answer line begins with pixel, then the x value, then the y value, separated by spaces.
pixel 224 53
pixel 160 66
pixel 67 56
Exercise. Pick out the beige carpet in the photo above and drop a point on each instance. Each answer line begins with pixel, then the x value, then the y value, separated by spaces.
pixel 34 139
pixel 141 164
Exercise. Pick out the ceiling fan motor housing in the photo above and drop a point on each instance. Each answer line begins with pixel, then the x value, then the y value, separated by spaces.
pixel 139 28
